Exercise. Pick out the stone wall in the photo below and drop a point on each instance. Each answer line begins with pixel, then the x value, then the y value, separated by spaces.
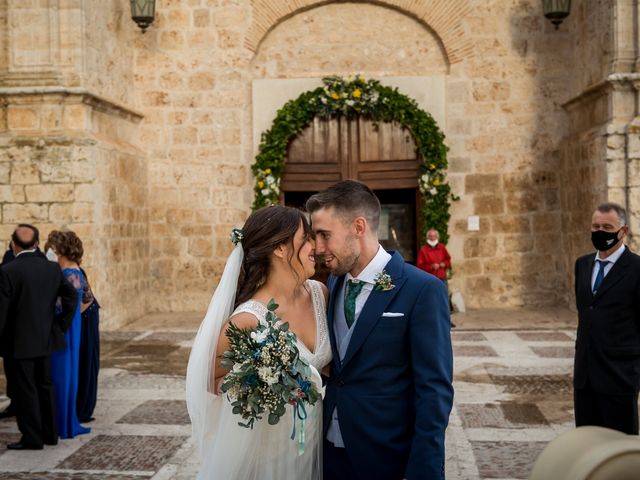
pixel 67 151
pixel 193 85
pixel 599 155
pixel 83 176
pixel 167 186
pixel 503 126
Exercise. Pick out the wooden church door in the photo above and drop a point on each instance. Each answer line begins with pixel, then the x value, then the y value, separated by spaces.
pixel 383 156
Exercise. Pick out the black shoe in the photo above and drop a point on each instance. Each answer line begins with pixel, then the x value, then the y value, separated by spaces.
pixel 8 412
pixel 22 446
pixel 55 442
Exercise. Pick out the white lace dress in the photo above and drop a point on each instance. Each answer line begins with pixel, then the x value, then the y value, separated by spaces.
pixel 267 452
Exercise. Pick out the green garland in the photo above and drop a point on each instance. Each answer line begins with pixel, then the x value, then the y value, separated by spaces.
pixel 351 98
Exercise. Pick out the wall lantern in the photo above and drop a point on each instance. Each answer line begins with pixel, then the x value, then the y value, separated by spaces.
pixel 556 10
pixel 143 12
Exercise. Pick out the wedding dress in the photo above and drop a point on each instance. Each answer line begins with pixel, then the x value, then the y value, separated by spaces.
pixel 266 452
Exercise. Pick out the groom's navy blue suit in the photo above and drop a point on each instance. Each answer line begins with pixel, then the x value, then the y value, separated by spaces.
pixel 393 390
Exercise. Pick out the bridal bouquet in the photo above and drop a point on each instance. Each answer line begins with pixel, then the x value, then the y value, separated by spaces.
pixel 266 372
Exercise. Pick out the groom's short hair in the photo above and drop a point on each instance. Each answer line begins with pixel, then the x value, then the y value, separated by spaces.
pixel 350 199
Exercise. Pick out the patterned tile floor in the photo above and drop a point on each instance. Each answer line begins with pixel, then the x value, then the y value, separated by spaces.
pixel 513 395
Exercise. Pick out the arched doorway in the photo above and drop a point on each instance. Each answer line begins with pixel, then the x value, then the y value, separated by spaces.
pixel 382 155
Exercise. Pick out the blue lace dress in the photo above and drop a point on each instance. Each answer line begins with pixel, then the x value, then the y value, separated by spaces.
pixel 65 367
pixel 89 356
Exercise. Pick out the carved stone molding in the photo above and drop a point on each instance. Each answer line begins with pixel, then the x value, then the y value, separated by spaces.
pixel 27 94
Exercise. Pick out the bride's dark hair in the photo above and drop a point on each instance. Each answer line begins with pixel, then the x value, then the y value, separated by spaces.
pixel 262 233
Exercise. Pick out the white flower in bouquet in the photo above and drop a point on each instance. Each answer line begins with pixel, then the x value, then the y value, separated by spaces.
pixel 268 376
pixel 259 337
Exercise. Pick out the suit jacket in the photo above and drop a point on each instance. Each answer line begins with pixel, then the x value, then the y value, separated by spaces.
pixel 608 340
pixel 393 388
pixel 29 288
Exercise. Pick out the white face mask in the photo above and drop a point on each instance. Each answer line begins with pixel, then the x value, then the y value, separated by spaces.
pixel 433 243
pixel 51 255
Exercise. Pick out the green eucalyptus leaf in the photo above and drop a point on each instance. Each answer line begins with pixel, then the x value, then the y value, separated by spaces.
pixel 273 419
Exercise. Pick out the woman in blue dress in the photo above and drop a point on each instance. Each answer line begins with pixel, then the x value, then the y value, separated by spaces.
pixel 89 355
pixel 66 248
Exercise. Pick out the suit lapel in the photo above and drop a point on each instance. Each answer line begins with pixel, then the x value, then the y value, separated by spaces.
pixel 585 279
pixel 335 285
pixel 617 273
pixel 375 306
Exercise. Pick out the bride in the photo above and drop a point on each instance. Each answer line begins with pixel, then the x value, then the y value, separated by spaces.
pixel 274 259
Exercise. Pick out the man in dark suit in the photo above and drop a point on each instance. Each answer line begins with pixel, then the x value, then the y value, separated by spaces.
pixel 29 287
pixel 607 362
pixel 390 391
pixel 10 410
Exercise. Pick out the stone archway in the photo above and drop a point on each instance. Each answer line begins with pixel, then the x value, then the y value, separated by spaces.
pixel 443 17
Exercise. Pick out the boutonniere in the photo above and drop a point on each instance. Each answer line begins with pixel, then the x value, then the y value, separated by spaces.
pixel 383 282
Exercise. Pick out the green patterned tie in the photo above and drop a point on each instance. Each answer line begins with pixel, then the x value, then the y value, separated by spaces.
pixel 353 289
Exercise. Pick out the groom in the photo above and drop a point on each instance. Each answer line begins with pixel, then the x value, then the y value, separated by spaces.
pixel 389 394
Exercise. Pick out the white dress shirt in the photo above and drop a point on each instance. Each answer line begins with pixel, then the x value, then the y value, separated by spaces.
pixel 611 259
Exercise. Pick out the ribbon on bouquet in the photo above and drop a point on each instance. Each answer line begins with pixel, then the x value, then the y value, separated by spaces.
pixel 299 412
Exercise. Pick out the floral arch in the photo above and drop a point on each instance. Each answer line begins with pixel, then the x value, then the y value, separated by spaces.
pixel 350 98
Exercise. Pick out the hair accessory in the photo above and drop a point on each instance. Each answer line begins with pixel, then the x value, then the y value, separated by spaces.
pixel 236 236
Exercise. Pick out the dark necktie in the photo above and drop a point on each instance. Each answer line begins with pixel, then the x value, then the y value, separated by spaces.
pixel 353 289
pixel 599 275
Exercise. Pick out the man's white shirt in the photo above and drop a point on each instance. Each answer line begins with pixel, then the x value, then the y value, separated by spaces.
pixel 611 259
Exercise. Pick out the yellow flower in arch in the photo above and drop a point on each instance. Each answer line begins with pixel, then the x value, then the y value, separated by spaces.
pixel 357 93
pixel 436 182
pixel 267 171
pixel 260 184
pixel 335 96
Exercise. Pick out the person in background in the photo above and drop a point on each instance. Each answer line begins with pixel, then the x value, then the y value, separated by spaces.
pixel 434 258
pixel 8 255
pixel 29 332
pixel 89 355
pixel 10 409
pixel 66 248
pixel 606 375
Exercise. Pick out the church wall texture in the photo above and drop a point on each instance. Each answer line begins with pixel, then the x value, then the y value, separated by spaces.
pixel 143 142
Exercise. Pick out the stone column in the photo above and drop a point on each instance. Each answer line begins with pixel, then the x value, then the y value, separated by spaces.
pixel 623 149
pixel 68 140
pixel 632 173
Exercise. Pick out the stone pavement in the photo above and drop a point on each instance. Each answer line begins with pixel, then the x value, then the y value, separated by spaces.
pixel 512 381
